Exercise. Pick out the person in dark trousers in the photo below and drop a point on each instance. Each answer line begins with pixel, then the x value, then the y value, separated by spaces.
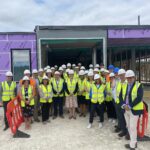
pixel 58 91
pixel 97 100
pixel 46 94
pixel 8 91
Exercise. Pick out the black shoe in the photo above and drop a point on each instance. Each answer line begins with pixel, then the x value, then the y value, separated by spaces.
pixel 116 126
pixel 122 134
pixel 127 146
pixel 81 115
pixel 5 128
pixel 37 120
pixel 127 137
pixel 117 130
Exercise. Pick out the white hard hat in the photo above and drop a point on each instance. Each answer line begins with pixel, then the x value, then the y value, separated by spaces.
pixel 82 68
pixel 57 73
pixel 96 76
pixel 34 71
pixel 60 69
pixel 45 78
pixel 69 65
pixel 81 72
pixel 121 71
pixel 102 70
pixel 97 66
pixel 90 66
pixel 48 67
pixel 71 71
pixel 67 70
pixel 25 78
pixel 64 66
pixel 90 73
pixel 55 66
pixel 45 68
pixel 76 67
pixel 26 71
pixel 112 75
pixel 79 64
pixel 96 70
pixel 90 70
pixel 73 65
pixel 40 70
pixel 9 74
pixel 52 68
pixel 106 71
pixel 48 71
pixel 86 71
pixel 130 73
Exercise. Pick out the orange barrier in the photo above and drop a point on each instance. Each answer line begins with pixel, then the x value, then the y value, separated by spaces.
pixel 142 123
pixel 14 114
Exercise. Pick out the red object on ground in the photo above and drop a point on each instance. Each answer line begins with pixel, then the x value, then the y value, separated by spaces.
pixel 142 123
pixel 14 114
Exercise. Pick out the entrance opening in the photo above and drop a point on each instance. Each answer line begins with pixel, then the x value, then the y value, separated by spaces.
pixel 58 52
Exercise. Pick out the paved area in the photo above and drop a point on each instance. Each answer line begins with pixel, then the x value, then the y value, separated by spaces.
pixel 65 134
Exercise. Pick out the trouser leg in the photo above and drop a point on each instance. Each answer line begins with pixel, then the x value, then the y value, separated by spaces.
pixel 92 111
pixel 60 106
pixel 5 110
pixel 55 104
pixel 101 112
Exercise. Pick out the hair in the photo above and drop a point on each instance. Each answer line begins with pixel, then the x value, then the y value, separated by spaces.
pixel 43 82
pixel 25 80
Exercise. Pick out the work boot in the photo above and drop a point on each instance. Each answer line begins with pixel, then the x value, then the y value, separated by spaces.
pixel 6 127
pixel 117 130
pixel 122 134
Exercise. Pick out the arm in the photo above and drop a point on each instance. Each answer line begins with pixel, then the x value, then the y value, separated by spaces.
pixel 66 89
pixel 76 89
pixel 53 89
pixel 61 92
pixel 139 97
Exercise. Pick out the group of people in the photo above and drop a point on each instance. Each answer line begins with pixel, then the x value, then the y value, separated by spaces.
pixel 96 90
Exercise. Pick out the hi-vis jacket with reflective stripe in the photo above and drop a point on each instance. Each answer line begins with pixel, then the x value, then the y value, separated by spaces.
pixel 71 86
pixel 135 98
pixel 97 93
pixel 108 92
pixel 8 91
pixel 46 93
pixel 81 84
pixel 88 86
pixel 58 87
pixel 30 94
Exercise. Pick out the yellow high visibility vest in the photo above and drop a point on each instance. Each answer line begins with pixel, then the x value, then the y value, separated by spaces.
pixel 47 91
pixel 8 91
pixel 58 87
pixel 97 94
pixel 30 92
pixel 40 79
pixel 81 85
pixel 109 92
pixel 140 105
pixel 88 87
pixel 71 86
pixel 65 76
pixel 76 76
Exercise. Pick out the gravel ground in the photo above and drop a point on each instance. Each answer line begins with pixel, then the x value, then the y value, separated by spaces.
pixel 65 134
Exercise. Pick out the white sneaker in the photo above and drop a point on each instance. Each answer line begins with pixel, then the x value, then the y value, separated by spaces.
pixel 89 126
pixel 110 120
pixel 100 125
pixel 114 121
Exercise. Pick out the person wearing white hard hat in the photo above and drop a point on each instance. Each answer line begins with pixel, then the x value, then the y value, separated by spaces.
pixel 76 73
pixel 102 72
pixel 109 100
pixel 89 82
pixel 131 99
pixel 69 65
pixel 8 91
pixel 81 93
pixel 71 89
pixel 97 100
pixel 58 90
pixel 73 66
pixel 90 66
pixel 27 94
pixel 56 67
pixel 79 65
pixel 49 75
pixel 46 94
pixel 36 98
pixel 82 68
pixel 97 66
pixel 53 71
pixel 61 70
pixel 40 75
pixel 96 71
pixel 121 126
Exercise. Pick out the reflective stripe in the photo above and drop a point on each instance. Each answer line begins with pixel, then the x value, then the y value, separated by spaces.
pixel 71 86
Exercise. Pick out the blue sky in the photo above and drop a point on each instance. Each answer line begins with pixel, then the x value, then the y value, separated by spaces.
pixel 24 15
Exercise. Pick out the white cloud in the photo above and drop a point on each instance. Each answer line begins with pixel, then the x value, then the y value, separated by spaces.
pixel 24 15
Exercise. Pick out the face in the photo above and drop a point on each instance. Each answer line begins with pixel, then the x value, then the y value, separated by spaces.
pixel 48 74
pixel 97 81
pixel 130 79
pixel 71 76
pixel 57 76
pixel 122 77
pixel 26 83
pixel 9 78
pixel 45 82
pixel 111 79
pixel 41 73
pixel 28 75
pixel 95 72
pixel 111 70
pixel 90 78
pixel 35 75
